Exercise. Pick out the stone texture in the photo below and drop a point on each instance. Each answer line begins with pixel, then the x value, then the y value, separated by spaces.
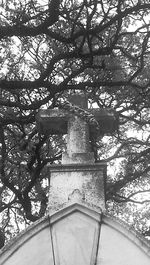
pixel 78 130
pixel 78 136
pixel 54 121
pixel 78 146
pixel 88 179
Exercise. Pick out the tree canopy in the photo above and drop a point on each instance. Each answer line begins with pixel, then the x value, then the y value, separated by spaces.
pixel 50 49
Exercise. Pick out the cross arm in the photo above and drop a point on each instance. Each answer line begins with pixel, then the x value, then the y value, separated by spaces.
pixel 54 121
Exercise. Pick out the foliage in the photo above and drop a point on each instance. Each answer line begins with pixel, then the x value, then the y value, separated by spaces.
pixel 49 49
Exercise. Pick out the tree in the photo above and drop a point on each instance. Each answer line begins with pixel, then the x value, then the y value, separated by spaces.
pixel 50 49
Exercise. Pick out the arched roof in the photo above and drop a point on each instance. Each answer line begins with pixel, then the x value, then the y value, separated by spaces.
pixel 74 230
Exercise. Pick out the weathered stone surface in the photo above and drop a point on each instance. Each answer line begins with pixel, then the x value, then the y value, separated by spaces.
pixel 78 136
pixel 88 179
pixel 52 121
pixel 55 121
pixel 78 129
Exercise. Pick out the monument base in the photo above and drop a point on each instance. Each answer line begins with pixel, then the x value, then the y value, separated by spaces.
pixel 84 181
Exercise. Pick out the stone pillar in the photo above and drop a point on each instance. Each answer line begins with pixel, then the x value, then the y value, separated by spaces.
pixel 78 146
pixel 78 136
pixel 79 179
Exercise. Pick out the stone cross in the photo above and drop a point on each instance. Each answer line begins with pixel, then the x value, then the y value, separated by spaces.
pixel 60 121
